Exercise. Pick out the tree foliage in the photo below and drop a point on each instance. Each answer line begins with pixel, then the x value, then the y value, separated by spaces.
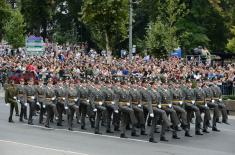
pixel 15 30
pixel 107 21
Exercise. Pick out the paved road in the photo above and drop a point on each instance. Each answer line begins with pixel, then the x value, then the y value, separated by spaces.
pixel 21 139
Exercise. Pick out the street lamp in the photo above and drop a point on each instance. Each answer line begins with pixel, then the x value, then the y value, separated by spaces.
pixel 130 28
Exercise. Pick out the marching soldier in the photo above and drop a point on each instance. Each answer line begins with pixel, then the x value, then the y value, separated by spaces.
pixel 84 102
pixel 40 98
pixel 217 96
pixel 202 105
pixel 11 98
pixel 166 104
pixel 49 101
pixel 30 99
pixel 177 103
pixel 126 110
pixel 111 106
pixel 60 92
pixel 72 102
pixel 21 97
pixel 136 101
pixel 210 102
pixel 97 99
pixel 190 107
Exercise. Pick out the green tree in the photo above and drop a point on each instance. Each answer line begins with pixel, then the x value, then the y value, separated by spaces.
pixel 231 42
pixel 161 33
pixel 5 10
pixel 107 21
pixel 15 30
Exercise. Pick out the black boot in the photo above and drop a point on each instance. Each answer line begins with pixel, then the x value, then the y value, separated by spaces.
pixel 187 134
pixel 205 131
pixel 98 133
pixel 109 131
pixel 10 120
pixel 152 140
pixel 198 133
pixel 134 134
pixel 143 133
pixel 83 128
pixel 215 129
pixel 175 136
pixel 123 136
pixel 163 139
pixel 59 124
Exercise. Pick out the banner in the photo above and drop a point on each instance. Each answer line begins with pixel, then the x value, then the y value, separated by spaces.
pixel 177 53
pixel 35 45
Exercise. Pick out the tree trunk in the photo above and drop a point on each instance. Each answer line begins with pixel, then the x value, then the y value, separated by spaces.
pixel 108 49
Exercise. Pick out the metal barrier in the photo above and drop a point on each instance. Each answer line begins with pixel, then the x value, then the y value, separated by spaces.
pixel 227 89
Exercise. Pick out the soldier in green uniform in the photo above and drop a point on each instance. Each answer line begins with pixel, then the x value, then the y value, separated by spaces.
pixel 71 101
pixel 150 100
pixel 202 105
pixel 217 96
pixel 166 104
pixel 97 98
pixel 177 103
pixel 136 101
pixel 189 103
pixel 30 99
pixel 11 98
pixel 50 102
pixel 125 107
pixel 60 92
pixel 21 98
pixel 83 101
pixel 40 98
pixel 210 102
pixel 111 105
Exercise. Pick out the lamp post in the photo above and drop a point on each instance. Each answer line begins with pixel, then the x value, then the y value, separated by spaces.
pixel 130 28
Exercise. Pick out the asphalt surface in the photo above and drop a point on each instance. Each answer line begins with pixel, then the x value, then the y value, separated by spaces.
pixel 21 139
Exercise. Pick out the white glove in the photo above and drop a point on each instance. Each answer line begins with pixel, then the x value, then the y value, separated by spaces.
pixel 213 101
pixel 53 98
pixel 66 107
pixel 38 103
pixel 128 104
pixel 63 98
pixel 220 99
pixel 32 97
pixel 206 105
pixel 139 105
pixel 18 100
pixel 181 102
pixel 76 99
pixel 100 103
pixel 193 101
pixel 95 110
pixel 44 106
pixel 26 104
pixel 7 104
pixel 87 101
pixel 170 105
pixel 159 106
pixel 116 111
pixel 112 102
pixel 151 115
pixel 14 97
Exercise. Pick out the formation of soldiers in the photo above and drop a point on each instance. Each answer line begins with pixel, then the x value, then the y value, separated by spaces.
pixel 119 104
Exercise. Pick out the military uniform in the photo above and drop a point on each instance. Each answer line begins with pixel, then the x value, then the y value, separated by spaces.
pixel 72 103
pixel 60 93
pixel 97 98
pixel 40 98
pixel 211 104
pixel 50 102
pixel 190 107
pixel 166 104
pixel 124 101
pixel 22 99
pixel 10 97
pixel 30 98
pixel 136 101
pixel 111 108
pixel 202 105
pixel 217 96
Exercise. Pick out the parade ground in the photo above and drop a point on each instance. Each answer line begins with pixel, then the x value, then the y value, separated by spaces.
pixel 21 139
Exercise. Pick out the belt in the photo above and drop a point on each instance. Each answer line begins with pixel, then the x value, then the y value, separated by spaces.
pixel 188 100
pixel 123 103
pixel 72 98
pixel 154 105
pixel 176 100
pixel 41 95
